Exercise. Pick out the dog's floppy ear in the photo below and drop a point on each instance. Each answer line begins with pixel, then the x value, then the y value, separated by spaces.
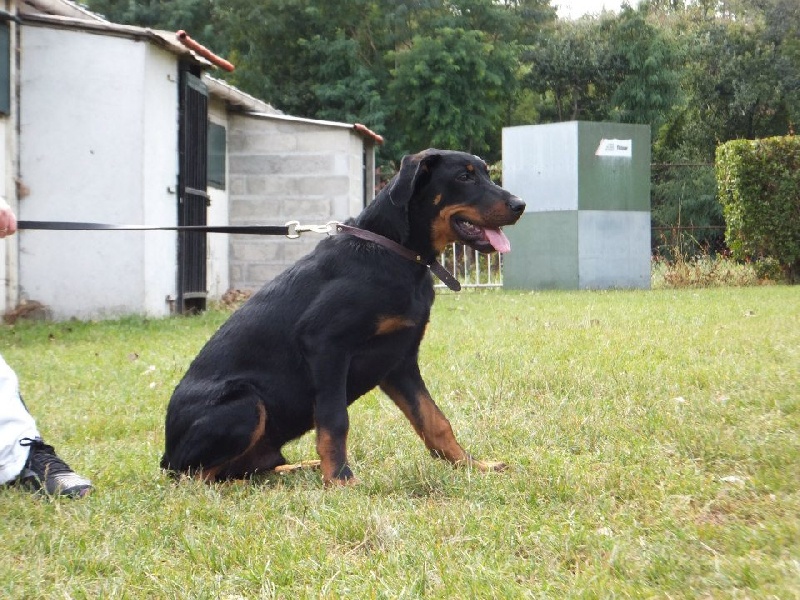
pixel 415 169
pixel 388 213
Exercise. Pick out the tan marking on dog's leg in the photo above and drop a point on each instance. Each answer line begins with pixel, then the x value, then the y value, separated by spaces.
pixel 435 430
pixel 260 428
pixel 207 475
pixel 430 424
pixel 210 474
pixel 333 459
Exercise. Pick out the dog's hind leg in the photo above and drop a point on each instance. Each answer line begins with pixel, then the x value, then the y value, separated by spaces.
pixel 226 441
pixel 259 458
pixel 408 391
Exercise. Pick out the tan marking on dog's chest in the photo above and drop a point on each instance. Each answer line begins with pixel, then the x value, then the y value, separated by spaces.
pixel 390 324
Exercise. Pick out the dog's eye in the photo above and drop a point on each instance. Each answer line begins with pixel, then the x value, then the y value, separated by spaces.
pixel 466 176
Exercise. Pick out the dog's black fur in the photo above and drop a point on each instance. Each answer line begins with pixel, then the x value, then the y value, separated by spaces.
pixel 346 318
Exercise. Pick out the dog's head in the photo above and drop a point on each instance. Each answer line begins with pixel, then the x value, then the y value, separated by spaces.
pixel 447 197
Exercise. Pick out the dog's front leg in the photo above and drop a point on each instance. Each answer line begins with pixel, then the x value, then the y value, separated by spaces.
pixel 328 373
pixel 325 337
pixel 332 425
pixel 408 391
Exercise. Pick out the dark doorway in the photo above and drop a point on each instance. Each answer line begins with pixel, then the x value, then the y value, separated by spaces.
pixel 193 197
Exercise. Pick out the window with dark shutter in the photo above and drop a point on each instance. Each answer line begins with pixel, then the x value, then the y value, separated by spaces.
pixel 216 156
pixel 5 68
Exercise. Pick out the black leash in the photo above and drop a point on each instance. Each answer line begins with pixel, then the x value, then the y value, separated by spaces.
pixel 292 230
pixel 67 226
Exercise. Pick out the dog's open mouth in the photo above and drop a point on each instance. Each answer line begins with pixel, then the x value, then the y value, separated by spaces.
pixel 483 239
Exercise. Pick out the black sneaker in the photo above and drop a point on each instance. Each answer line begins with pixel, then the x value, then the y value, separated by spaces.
pixel 45 471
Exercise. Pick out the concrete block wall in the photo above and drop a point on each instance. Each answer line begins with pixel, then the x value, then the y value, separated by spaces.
pixel 283 169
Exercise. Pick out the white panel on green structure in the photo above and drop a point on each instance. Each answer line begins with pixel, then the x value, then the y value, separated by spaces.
pixel 613 249
pixel 587 221
pixel 540 165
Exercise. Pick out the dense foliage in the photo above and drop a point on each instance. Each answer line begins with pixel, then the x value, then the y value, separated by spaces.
pixel 454 72
pixel 759 184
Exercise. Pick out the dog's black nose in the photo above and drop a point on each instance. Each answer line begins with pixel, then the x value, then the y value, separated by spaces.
pixel 515 204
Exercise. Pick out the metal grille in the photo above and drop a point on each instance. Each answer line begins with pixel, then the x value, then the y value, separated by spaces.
pixel 472 268
pixel 192 196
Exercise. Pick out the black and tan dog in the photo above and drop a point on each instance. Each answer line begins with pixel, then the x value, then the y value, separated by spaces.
pixel 346 318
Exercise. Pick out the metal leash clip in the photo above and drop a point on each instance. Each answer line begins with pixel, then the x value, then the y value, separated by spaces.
pixel 295 228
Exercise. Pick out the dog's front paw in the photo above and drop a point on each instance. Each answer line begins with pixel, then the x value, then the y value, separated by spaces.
pixel 341 477
pixel 337 482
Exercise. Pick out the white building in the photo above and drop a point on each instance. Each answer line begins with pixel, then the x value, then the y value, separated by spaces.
pixel 93 124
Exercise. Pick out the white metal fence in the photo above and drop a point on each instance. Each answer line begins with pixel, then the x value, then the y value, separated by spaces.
pixel 472 268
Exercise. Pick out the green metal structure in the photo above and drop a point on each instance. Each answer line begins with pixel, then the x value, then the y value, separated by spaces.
pixel 587 221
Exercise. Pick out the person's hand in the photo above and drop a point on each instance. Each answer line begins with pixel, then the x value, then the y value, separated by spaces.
pixel 8 220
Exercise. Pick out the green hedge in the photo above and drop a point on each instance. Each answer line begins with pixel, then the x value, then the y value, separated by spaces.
pixel 759 189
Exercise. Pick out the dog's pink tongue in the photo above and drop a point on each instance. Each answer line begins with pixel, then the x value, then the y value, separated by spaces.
pixel 498 240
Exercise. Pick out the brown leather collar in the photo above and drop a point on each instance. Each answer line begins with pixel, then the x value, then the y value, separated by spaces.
pixel 435 267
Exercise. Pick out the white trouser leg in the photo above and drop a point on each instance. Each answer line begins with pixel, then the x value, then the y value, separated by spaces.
pixel 15 423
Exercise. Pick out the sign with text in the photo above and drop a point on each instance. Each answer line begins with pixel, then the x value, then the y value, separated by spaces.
pixel 618 148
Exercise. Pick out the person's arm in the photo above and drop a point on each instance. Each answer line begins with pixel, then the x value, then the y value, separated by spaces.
pixel 8 220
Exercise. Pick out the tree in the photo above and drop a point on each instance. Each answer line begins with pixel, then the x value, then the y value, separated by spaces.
pixel 345 89
pixel 736 68
pixel 450 91
pixel 782 28
pixel 567 67
pixel 268 41
pixel 348 60
pixel 194 16
pixel 643 62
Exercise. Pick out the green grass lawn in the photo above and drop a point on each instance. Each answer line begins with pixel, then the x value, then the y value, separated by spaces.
pixel 653 440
